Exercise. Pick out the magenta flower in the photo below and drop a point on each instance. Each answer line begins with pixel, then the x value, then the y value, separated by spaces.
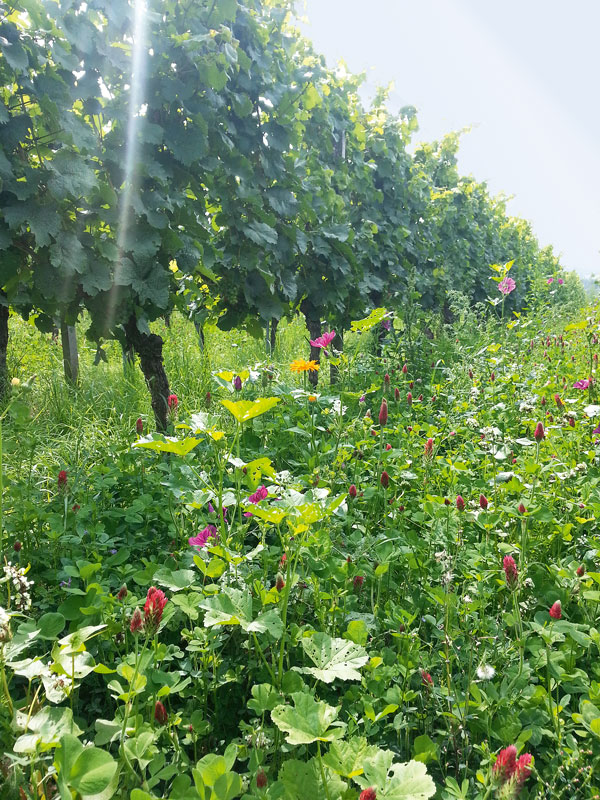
pixel 549 281
pixel 323 341
pixel 507 285
pixel 560 281
pixel 581 384
pixel 260 494
pixel 386 324
pixel 202 538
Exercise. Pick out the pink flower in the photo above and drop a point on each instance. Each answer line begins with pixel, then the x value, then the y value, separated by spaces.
pixel 324 340
pixel 558 401
pixel 581 384
pixel 352 491
pixel 153 609
pixel 460 503
pixel 506 286
pixel 260 494
pixel 522 509
pixel 539 434
pixel 368 794
pixel 386 324
pixel 139 426
pixel 404 369
pixel 549 281
pixel 202 538
pixel 409 398
pixel 62 480
pixel 172 401
pixel 510 570
pixel 429 448
pixel 555 610
pixel 397 394
pixel 483 501
pixel 560 281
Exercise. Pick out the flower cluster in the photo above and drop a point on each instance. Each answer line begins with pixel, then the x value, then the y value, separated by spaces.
pixel 21 594
pixel 153 612
pixel 511 773
pixel 4 625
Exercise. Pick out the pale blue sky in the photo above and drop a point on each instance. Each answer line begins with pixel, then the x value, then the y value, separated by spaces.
pixel 523 74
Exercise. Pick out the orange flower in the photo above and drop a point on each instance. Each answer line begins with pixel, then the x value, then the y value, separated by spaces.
pixel 312 398
pixel 300 365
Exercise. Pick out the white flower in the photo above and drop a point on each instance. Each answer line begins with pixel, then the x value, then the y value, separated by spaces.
pixel 485 672
pixel 4 625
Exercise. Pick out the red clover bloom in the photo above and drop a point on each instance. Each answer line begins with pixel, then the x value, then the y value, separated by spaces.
pixel 153 609
pixel 555 610
pixel 460 503
pixel 511 572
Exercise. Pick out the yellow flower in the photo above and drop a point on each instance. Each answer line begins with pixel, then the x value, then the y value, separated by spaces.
pixel 300 365
pixel 15 382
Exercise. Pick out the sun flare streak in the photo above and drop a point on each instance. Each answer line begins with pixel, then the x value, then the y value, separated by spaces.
pixel 130 185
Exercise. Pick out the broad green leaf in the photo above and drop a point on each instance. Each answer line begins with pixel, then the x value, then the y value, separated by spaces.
pixel 264 698
pixel 92 774
pixel 408 781
pixel 168 444
pixel 346 758
pixel 303 779
pixel 375 317
pixel 333 658
pixel 45 729
pixel 244 410
pixel 308 721
pixel 234 607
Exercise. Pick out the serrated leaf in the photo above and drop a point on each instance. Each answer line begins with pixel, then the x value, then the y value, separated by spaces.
pixel 303 779
pixel 308 721
pixel 333 658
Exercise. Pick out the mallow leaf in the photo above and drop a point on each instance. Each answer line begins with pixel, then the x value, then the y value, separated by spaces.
pixel 333 658
pixel 309 721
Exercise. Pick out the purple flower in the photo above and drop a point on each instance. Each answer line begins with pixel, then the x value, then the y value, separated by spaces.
pixel 581 384
pixel 507 285
pixel 260 494
pixel 202 538
pixel 386 324
pixel 549 281
pixel 596 431
pixel 560 281
pixel 113 551
pixel 362 398
pixel 237 383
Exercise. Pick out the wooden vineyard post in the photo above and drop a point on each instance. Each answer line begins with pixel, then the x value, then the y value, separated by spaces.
pixel 68 337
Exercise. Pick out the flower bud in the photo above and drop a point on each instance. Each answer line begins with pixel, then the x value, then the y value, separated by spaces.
pixel 460 503
pixel 352 491
pixel 383 413
pixel 385 479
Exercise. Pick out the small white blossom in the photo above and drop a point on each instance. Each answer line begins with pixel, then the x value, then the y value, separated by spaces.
pixel 485 672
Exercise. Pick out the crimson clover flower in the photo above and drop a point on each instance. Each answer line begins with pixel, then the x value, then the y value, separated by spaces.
pixel 460 503
pixel 510 570
pixel 160 713
pixel 172 401
pixel 153 609
pixel 383 412
pixel 62 480
pixel 237 383
pixel 368 794
pixel 555 610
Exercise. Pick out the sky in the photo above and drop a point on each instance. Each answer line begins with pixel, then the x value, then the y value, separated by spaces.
pixel 521 74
